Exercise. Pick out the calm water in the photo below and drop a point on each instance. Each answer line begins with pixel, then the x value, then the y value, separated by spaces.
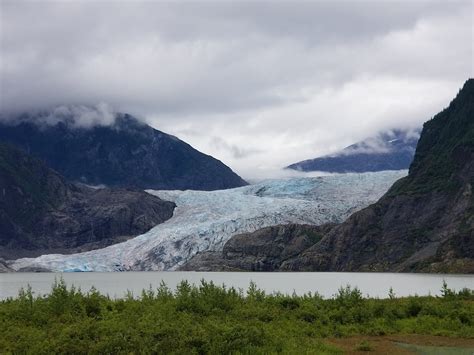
pixel 326 283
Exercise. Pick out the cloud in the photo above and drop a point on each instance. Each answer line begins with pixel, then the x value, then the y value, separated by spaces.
pixel 323 124
pixel 80 116
pixel 236 151
pixel 277 82
pixel 382 142
pixel 83 116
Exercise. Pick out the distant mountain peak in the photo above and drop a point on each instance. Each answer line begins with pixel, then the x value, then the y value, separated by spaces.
pixel 388 150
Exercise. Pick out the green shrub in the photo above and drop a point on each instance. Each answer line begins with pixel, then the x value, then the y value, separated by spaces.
pixel 210 319
pixel 364 345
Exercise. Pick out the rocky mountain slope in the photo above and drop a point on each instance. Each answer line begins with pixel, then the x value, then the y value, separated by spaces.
pixel 124 153
pixel 425 222
pixel 264 250
pixel 40 212
pixel 392 150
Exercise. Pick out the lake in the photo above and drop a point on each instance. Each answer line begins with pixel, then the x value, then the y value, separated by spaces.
pixel 116 284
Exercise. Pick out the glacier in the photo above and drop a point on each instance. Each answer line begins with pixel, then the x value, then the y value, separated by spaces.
pixel 205 220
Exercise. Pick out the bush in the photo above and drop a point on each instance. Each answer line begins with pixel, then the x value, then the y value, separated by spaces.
pixel 364 345
pixel 210 319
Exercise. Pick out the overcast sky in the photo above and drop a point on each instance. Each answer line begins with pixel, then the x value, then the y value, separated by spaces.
pixel 258 85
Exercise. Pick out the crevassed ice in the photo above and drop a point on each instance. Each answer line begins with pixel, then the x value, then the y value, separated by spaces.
pixel 205 220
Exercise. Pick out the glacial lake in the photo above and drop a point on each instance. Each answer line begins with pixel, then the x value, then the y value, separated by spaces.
pixel 116 284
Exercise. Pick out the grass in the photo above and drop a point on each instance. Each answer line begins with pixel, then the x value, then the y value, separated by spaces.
pixel 210 319
pixel 364 345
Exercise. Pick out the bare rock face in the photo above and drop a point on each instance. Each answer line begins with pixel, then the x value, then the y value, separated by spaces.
pixel 93 219
pixel 263 250
pixel 40 212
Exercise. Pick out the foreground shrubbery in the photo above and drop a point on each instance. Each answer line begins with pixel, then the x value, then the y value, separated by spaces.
pixel 213 319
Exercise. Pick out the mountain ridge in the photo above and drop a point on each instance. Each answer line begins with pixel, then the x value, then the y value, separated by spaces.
pixel 389 150
pixel 124 153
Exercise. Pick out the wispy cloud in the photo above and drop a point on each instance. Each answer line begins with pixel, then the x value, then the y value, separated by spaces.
pixel 236 151
pixel 81 116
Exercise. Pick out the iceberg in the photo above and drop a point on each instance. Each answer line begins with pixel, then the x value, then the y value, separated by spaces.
pixel 205 220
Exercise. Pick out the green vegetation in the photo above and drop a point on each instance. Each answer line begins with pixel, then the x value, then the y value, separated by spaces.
pixel 446 145
pixel 210 319
pixel 364 345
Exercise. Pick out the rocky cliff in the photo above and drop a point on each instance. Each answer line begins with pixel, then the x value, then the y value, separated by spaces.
pixel 264 250
pixel 124 153
pixel 424 223
pixel 41 212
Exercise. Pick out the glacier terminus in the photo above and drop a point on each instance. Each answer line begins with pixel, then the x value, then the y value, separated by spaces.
pixel 206 220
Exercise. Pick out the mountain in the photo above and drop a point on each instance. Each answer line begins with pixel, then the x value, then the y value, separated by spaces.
pixel 391 150
pixel 126 153
pixel 41 212
pixel 424 223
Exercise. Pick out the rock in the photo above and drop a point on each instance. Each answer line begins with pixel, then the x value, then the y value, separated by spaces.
pixel 263 250
pixel 41 212
pixel 4 266
pixel 34 269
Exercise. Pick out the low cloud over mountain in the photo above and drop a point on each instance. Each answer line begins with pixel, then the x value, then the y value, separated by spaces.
pixel 287 80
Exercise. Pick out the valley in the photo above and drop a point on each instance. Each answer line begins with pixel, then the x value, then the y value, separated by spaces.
pixel 204 221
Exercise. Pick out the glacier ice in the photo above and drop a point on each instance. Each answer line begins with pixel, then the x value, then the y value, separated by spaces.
pixel 205 220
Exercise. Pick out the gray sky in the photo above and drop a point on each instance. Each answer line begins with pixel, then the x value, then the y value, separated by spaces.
pixel 258 85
